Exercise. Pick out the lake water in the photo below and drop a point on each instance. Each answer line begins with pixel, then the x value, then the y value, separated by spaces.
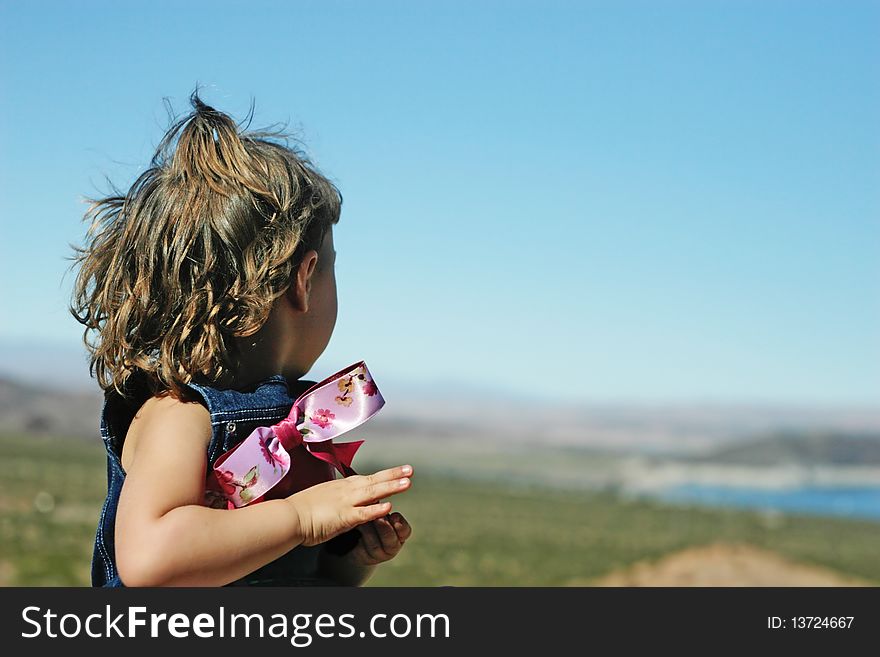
pixel 854 502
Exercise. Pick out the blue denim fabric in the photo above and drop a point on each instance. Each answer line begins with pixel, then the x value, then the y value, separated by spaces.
pixel 234 415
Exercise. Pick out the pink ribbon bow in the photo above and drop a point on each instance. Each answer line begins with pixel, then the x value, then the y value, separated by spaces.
pixel 300 443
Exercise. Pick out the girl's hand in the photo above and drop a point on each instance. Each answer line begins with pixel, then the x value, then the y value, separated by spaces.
pixel 381 540
pixel 330 508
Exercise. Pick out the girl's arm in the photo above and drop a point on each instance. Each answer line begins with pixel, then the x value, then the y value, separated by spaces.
pixel 166 537
pixel 164 534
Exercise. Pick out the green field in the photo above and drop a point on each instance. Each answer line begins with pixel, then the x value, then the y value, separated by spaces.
pixel 465 531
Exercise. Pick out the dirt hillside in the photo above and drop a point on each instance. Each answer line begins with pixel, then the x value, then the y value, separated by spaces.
pixel 723 564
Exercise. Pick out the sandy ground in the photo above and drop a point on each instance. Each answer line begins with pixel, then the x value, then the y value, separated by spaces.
pixel 723 564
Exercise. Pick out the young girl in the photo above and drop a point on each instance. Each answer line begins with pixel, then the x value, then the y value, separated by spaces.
pixel 212 289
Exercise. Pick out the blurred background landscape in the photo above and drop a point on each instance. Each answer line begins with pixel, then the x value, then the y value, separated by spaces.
pixel 556 495
pixel 613 265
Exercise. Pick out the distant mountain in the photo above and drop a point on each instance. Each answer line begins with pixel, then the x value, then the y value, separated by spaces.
pixel 45 386
pixel 27 408
pixel 56 364
pixel 800 448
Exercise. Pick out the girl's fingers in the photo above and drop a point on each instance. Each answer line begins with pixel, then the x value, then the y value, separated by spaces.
pixel 387 535
pixel 384 489
pixel 400 525
pixel 370 512
pixel 389 474
pixel 370 539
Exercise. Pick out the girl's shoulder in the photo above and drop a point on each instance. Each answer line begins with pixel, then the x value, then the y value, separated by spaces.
pixel 166 415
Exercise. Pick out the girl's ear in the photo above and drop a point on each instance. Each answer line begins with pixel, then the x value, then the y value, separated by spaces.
pixel 298 292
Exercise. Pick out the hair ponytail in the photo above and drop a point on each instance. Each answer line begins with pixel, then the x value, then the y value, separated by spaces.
pixel 196 252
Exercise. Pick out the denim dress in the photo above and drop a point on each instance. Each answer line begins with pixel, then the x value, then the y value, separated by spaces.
pixel 234 415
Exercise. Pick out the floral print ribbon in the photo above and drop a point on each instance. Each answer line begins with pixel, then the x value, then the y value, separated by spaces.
pixel 337 404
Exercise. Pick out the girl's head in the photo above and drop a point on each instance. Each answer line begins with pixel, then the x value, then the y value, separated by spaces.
pixel 226 232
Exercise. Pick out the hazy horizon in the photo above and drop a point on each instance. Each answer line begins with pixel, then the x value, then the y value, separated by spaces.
pixel 29 360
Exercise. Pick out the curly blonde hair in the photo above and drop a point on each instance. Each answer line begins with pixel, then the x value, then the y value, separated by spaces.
pixel 196 252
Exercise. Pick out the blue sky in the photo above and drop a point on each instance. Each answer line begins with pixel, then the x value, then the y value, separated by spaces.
pixel 604 201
